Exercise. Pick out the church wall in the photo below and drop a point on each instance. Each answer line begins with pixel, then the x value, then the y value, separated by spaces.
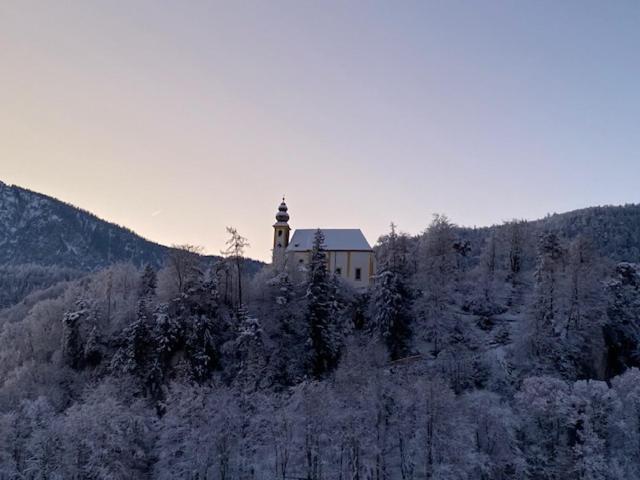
pixel 357 260
pixel 299 258
pixel 347 262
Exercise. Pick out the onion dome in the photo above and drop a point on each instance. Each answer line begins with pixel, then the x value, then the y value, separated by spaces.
pixel 282 215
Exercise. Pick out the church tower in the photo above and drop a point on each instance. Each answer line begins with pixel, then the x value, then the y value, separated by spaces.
pixel 281 232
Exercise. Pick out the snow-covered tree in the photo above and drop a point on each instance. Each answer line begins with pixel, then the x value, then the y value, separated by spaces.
pixel 200 326
pixel 148 282
pixel 545 316
pixel 544 405
pixel 515 232
pixel 436 279
pixel 622 328
pixel 201 389
pixel 115 439
pixel 289 332
pixel 76 328
pixel 199 437
pixel 323 336
pixel 391 299
pixel 137 354
pixel 249 352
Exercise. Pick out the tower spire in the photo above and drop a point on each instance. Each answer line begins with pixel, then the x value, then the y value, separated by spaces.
pixel 282 216
pixel 281 232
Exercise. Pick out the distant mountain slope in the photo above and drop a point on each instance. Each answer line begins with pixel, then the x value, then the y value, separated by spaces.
pixel 37 229
pixel 614 230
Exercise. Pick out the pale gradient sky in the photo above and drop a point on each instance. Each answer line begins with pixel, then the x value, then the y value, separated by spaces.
pixel 178 118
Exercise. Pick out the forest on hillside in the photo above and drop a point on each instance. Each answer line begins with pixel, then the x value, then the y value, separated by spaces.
pixel 503 353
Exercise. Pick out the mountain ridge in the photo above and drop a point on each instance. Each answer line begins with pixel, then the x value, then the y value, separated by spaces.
pixel 36 228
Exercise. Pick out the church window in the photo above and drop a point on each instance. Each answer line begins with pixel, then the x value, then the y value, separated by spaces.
pixel 338 271
pixel 358 274
pixel 279 233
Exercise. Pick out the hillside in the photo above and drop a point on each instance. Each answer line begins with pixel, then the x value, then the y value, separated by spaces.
pixel 37 229
pixel 507 352
pixel 614 230
pixel 44 241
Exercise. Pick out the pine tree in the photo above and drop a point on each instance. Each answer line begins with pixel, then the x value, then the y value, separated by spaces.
pixel 193 322
pixel 200 347
pixel 546 303
pixel 289 335
pixel 92 351
pixel 137 354
pixel 392 300
pixel 622 328
pixel 437 280
pixel 72 341
pixel 323 337
pixel 515 238
pixel 486 301
pixel 249 351
pixel 148 282
pixel 167 335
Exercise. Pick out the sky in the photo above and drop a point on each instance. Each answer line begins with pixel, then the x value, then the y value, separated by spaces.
pixel 177 119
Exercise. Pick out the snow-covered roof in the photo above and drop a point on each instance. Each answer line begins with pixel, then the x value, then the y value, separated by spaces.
pixel 334 239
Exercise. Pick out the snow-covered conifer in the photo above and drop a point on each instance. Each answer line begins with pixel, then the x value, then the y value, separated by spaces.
pixel 148 282
pixel 323 337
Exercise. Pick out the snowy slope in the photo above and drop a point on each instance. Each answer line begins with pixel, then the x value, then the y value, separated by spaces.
pixel 41 230
pixel 614 231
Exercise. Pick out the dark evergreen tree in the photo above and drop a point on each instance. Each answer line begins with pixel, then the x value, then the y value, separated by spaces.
pixel 249 352
pixel 437 281
pixel 622 328
pixel 167 335
pixel 546 302
pixel 137 354
pixel 76 329
pixel 391 313
pixel 550 312
pixel 202 326
pixel 148 282
pixel 323 338
pixel 289 337
pixel 487 301
pixel 515 239
pixel 391 300
pixel 92 349
pixel 71 348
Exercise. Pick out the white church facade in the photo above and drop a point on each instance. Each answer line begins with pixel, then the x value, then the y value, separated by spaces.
pixel 348 253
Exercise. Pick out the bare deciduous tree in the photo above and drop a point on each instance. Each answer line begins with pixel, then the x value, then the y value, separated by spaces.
pixel 183 263
pixel 235 254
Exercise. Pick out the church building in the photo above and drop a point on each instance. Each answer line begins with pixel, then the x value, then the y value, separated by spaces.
pixel 349 255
